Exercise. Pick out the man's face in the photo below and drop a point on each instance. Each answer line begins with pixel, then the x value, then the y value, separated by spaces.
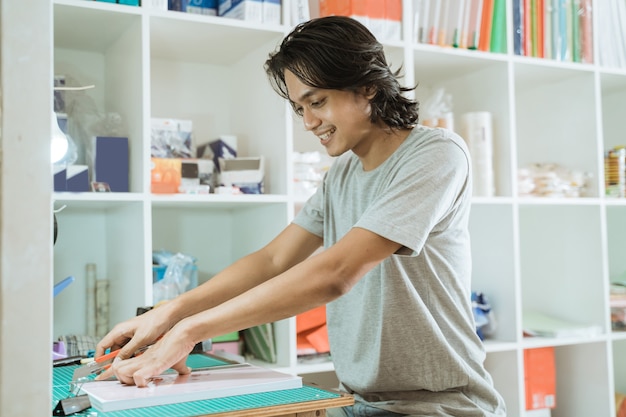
pixel 340 119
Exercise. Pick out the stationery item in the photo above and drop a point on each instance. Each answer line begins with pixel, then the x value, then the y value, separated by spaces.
pixel 202 384
pixel 71 405
pixel 99 365
pixel 60 286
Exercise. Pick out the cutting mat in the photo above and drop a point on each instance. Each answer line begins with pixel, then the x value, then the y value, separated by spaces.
pixel 63 375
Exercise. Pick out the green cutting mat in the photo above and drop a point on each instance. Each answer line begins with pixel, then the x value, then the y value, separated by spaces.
pixel 63 375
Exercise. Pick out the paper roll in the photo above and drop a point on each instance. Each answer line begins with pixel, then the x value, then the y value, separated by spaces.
pixel 90 299
pixel 102 307
pixel 478 134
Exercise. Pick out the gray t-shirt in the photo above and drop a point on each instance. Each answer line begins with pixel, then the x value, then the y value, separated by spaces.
pixel 404 337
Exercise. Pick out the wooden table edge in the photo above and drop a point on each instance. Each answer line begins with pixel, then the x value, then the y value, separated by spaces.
pixel 292 409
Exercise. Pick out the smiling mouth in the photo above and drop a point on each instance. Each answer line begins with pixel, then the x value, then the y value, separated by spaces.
pixel 327 135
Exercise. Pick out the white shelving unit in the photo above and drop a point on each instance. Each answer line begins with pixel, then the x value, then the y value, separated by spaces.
pixel 555 255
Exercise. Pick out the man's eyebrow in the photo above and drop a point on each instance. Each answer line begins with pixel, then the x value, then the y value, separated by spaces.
pixel 308 93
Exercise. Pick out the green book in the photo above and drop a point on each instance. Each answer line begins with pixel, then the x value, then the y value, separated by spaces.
pixel 498 27
pixel 575 31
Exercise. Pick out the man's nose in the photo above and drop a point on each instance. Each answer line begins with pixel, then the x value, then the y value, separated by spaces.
pixel 310 120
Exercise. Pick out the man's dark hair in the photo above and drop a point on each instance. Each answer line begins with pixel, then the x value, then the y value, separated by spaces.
pixel 339 53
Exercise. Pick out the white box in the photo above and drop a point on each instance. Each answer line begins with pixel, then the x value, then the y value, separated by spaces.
pixel 244 173
pixel 249 10
pixel 154 4
pixel 271 12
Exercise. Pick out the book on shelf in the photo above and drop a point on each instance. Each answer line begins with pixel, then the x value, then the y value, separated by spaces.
pixel 556 29
pixel 172 388
pixel 466 24
pixel 540 379
pixel 544 325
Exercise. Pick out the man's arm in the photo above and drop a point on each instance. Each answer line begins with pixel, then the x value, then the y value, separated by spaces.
pixel 290 247
pixel 306 282
pixel 293 245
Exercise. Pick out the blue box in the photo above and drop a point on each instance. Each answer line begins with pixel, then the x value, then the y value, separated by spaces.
pixel 77 178
pixel 221 150
pixel 60 180
pixel 110 162
pixel 205 7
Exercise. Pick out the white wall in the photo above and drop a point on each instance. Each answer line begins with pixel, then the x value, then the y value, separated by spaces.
pixel 25 208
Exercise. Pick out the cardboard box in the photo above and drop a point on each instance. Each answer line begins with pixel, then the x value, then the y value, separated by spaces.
pixel 540 378
pixel 165 175
pixel 243 173
pixel 249 10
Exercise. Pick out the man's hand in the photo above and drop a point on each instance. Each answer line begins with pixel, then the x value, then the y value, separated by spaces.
pixel 131 335
pixel 170 352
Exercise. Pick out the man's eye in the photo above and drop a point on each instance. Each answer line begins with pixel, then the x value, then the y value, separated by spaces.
pixel 297 110
pixel 318 103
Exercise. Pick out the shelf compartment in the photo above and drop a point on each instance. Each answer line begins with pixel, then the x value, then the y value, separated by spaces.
pixel 102 46
pixel 613 88
pixel 465 76
pixel 111 235
pixel 206 39
pixel 582 389
pixel 562 272
pixel 619 364
pixel 226 99
pixel 553 126
pixel 216 236
pixel 91 26
pixel 493 264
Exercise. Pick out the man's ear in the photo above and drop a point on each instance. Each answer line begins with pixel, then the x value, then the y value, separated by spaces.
pixel 369 92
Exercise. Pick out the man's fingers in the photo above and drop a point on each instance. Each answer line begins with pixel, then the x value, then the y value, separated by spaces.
pixel 105 375
pixel 181 367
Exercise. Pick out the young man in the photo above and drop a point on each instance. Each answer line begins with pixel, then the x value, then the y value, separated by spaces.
pixel 392 214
